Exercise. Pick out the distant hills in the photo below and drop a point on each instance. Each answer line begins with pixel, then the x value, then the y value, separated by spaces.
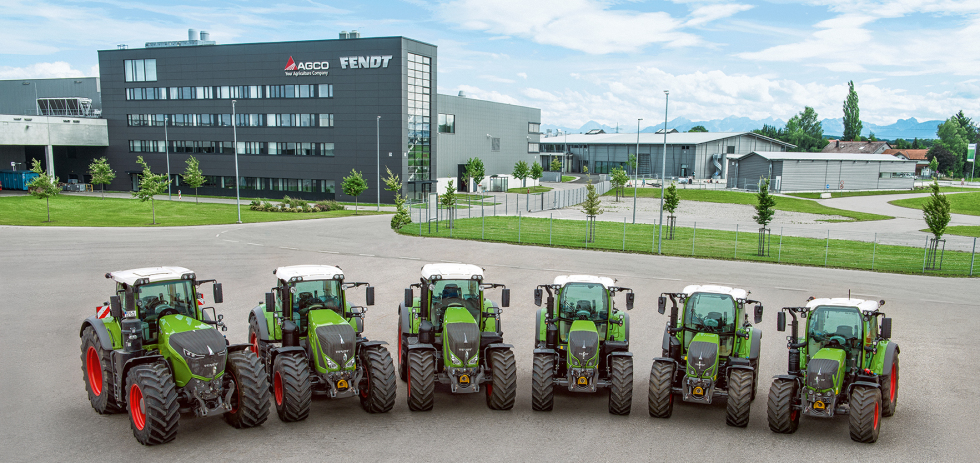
pixel 903 128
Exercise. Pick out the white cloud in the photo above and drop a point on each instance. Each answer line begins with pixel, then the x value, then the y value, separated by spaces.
pixel 499 80
pixel 522 75
pixel 705 14
pixel 58 69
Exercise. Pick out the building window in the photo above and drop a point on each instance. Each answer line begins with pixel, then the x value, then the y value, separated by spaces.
pixel 419 88
pixel 533 148
pixel 447 123
pixel 731 149
pixel 325 149
pixel 534 127
pixel 494 144
pixel 325 91
pixel 141 70
pixel 326 120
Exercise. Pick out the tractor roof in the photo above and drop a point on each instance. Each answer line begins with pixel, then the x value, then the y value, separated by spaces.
pixel 151 274
pixel 451 271
pixel 861 304
pixel 562 280
pixel 735 293
pixel 309 272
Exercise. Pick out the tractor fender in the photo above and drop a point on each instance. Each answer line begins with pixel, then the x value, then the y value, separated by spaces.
pixel 103 333
pixel 237 347
pixel 259 314
pixel 891 351
pixel 140 361
pixel 790 377
pixel 499 346
pixel 539 336
pixel 545 351
pixel 366 344
pixel 620 354
pixel 405 317
pixel 756 345
pixel 862 383
pixel 664 359
pixel 276 351
pixel 420 346
pixel 669 339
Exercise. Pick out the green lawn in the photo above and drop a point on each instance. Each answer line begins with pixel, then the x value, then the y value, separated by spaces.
pixel 530 189
pixel 715 244
pixel 83 211
pixel 737 197
pixel 844 194
pixel 962 230
pixel 962 203
pixel 567 178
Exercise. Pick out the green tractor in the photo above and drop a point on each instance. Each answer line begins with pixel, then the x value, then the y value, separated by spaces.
pixel 710 351
pixel 308 335
pixel 582 342
pixel 155 351
pixel 845 365
pixel 451 335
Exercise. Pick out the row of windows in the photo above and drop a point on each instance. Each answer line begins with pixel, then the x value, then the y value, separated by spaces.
pixel 271 184
pixel 225 147
pixel 224 120
pixel 141 70
pixel 226 92
pixel 419 89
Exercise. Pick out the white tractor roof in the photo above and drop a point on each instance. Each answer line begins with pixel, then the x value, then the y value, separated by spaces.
pixel 154 274
pixel 735 293
pixel 861 304
pixel 561 280
pixel 309 272
pixel 451 271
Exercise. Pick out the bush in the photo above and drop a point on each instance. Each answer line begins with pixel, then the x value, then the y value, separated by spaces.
pixel 294 205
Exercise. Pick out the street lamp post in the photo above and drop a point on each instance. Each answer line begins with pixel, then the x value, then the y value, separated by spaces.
pixel 663 176
pixel 234 129
pixel 379 161
pixel 166 147
pixel 636 163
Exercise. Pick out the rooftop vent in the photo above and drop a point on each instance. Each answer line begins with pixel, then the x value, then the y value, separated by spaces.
pixel 344 35
pixel 462 94
pixel 355 35
pixel 193 40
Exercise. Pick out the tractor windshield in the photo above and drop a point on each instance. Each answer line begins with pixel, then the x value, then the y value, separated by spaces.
pixel 710 313
pixel 165 298
pixel 583 301
pixel 315 294
pixel 831 326
pixel 465 293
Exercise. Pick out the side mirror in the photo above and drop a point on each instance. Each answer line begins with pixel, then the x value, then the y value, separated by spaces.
pixel 409 298
pixel 538 294
pixel 270 302
pixel 662 304
pixel 758 314
pixel 886 328
pixel 115 308
pixel 781 321
pixel 221 317
pixel 369 295
pixel 629 300
pixel 505 297
pixel 218 295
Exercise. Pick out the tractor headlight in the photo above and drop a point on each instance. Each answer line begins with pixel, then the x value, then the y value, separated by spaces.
pixel 475 358
pixel 350 362
pixel 453 358
pixel 572 359
pixel 330 362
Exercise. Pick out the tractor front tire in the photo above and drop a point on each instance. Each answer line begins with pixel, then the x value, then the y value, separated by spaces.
pixel 291 387
pixel 621 385
pixel 151 398
pixel 889 390
pixel 783 417
pixel 378 386
pixel 250 401
pixel 502 389
pixel 421 379
pixel 755 377
pixel 98 377
pixel 253 339
pixel 543 383
pixel 864 420
pixel 739 398
pixel 402 356
pixel 660 397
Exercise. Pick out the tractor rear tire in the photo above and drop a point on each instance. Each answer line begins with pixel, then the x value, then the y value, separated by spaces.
pixel 864 420
pixel 291 387
pixel 151 398
pixel 739 398
pixel 783 418
pixel 378 386
pixel 660 397
pixel 97 374
pixel 502 389
pixel 889 390
pixel 621 385
pixel 421 379
pixel 543 383
pixel 250 401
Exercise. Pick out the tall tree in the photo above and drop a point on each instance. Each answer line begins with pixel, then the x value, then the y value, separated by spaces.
pixel 353 185
pixel 936 211
pixel 394 184
pixel 521 171
pixel 150 185
pixel 953 137
pixel 476 170
pixel 805 131
pixel 44 186
pixel 770 131
pixel 101 172
pixel 698 128
pixel 852 115
pixel 945 159
pixel 193 175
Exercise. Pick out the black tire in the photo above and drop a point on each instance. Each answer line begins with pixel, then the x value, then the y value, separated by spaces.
pixel 291 387
pixel 755 377
pixel 543 383
pixel 889 390
pixel 250 401
pixel 378 386
pixel 402 353
pixel 621 385
pixel 864 420
pixel 739 398
pixel 660 398
pixel 502 388
pixel 421 379
pixel 152 403
pixel 98 377
pixel 783 418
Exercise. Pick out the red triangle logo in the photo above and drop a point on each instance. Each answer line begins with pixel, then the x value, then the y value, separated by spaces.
pixel 290 65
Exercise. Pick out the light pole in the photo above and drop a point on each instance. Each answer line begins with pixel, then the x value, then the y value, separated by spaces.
pixel 636 164
pixel 379 161
pixel 663 175
pixel 234 131
pixel 166 147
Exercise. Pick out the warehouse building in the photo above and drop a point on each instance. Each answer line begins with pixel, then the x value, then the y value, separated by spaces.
pixel 792 171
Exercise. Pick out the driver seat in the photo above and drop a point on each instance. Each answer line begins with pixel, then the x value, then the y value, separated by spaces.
pixel 584 305
pixel 452 291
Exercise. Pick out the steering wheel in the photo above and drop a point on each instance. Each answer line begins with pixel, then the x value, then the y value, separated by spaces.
pixel 711 323
pixel 837 339
pixel 583 314
pixel 167 311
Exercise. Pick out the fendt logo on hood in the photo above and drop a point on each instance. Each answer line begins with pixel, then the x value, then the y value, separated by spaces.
pixel 306 68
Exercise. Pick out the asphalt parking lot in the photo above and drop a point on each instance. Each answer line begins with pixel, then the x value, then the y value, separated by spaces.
pixel 52 279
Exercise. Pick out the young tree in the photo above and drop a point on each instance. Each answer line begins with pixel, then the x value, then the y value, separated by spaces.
pixel 101 173
pixel 353 185
pixel 150 185
pixel 449 201
pixel 764 209
pixel 592 207
pixel 521 171
pixel 193 175
pixel 475 170
pixel 43 186
pixel 555 165
pixel 536 171
pixel 852 115
pixel 936 211
pixel 618 180
pixel 631 162
pixel 671 201
pixel 394 184
pixel 698 128
pixel 934 167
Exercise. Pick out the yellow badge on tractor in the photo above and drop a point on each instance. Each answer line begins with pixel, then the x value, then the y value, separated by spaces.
pixel 583 381
pixel 464 379
pixel 819 405
pixel 342 385
pixel 698 391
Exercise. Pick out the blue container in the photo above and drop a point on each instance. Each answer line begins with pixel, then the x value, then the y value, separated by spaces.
pixel 16 179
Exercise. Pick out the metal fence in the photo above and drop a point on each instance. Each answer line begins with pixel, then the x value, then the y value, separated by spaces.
pixel 473 205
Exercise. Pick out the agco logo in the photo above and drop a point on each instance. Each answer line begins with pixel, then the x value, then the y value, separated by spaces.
pixel 306 68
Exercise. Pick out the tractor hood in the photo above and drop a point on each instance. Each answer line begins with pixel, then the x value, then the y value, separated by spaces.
pixel 583 344
pixel 702 356
pixel 200 347
pixel 825 371
pixel 461 337
pixel 333 339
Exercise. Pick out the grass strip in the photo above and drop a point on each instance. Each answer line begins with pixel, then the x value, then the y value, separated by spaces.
pixel 964 203
pixel 845 194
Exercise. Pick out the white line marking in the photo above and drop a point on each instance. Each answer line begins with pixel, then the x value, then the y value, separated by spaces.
pixel 329 252
pixel 790 289
pixel 411 258
pixel 254 244
pixel 367 255
pixel 284 247
pixel 231 241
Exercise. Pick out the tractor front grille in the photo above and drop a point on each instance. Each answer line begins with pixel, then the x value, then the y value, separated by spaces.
pixel 337 342
pixel 701 357
pixel 820 373
pixel 583 345
pixel 464 340
pixel 203 350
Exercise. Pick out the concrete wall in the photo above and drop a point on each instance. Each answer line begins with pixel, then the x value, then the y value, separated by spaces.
pixel 44 130
pixel 17 98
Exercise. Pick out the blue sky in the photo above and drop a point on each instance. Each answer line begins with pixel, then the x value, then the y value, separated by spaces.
pixel 581 60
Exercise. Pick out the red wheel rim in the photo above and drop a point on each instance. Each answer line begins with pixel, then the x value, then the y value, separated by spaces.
pixel 254 341
pixel 137 407
pixel 399 347
pixel 792 415
pixel 277 386
pixel 489 389
pixel 876 416
pixel 894 382
pixel 93 367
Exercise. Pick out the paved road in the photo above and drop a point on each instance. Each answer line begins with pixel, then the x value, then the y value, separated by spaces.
pixel 52 278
